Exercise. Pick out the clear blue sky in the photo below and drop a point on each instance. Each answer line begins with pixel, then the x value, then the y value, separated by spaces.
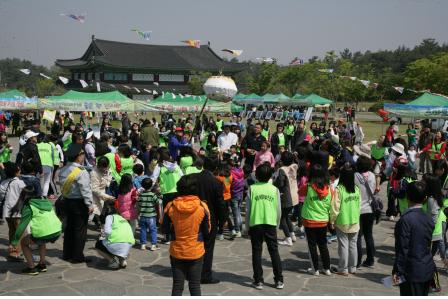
pixel 34 30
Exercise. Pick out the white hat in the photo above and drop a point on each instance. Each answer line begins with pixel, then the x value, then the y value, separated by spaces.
pixel 362 150
pixel 89 135
pixel 29 135
pixel 399 148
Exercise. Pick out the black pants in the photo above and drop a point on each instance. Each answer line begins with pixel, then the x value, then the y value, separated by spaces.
pixel 285 222
pixel 209 244
pixel 186 269
pixel 75 233
pixel 317 237
pixel 227 219
pixel 166 198
pixel 366 222
pixel 414 288
pixel 267 233
pixel 391 205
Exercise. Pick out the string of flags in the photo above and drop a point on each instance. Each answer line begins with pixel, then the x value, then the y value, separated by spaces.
pixel 79 18
pixel 146 35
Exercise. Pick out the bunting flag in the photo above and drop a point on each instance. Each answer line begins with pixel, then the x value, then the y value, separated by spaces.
pixel 45 76
pixel 148 91
pixel 136 89
pixel 375 85
pixel 127 87
pixel 155 92
pixel 353 78
pixel 146 35
pixel 195 43
pixel 296 61
pixel 63 79
pixel 266 59
pixel 163 93
pixel 111 85
pixel 366 83
pixel 25 71
pixel 83 83
pixel 156 83
pixel 79 18
pixel 233 52
pixel 326 70
pixel 98 87
pixel 399 89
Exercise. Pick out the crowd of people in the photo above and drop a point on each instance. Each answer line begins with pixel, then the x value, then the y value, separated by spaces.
pixel 195 179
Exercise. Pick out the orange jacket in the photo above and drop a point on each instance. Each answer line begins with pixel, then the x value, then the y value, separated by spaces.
pixel 187 220
pixel 227 181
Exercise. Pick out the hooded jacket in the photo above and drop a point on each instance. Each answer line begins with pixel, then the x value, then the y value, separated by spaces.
pixel 322 194
pixel 286 182
pixel 237 187
pixel 187 220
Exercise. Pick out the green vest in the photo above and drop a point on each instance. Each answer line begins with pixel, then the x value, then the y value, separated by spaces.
pixel 315 208
pixel 162 142
pixel 205 140
pixel 56 158
pixel 263 204
pixel 219 124
pixel 113 167
pixel 192 169
pixel 168 180
pixel 350 206
pixel 67 142
pixel 289 130
pixel 5 156
pixel 44 223
pixel 46 154
pixel 377 152
pixel 265 133
pixel 185 162
pixel 435 148
pixel 121 231
pixel 126 166
pixel 281 139
pixel 403 202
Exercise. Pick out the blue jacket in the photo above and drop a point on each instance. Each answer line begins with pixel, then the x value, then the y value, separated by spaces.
pixel 174 145
pixel 413 235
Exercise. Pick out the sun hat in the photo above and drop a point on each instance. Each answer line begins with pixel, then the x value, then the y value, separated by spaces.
pixel 399 148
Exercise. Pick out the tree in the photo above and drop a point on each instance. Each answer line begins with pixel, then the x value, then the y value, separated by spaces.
pixel 197 81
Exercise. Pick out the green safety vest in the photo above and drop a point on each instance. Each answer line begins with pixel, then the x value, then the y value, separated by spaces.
pixel 56 158
pixel 403 202
pixel 204 141
pixel 192 169
pixel 185 162
pixel 289 130
pixel 219 124
pixel 263 204
pixel 435 148
pixel 67 142
pixel 5 156
pixel 281 139
pixel 315 208
pixel 350 206
pixel 162 142
pixel 126 165
pixel 46 154
pixel 377 152
pixel 113 167
pixel 121 231
pixel 265 133
pixel 168 180
pixel 44 223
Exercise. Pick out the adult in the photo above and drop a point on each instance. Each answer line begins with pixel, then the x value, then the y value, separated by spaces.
pixel 226 139
pixel 176 142
pixel 210 190
pixel 135 137
pixel 299 136
pixel 252 144
pixel 90 149
pixel 435 149
pixel 219 123
pixel 125 124
pixel 423 140
pixel 78 204
pixel 278 139
pixel 289 132
pixel 412 135
pixel 100 178
pixel 46 155
pixel 67 138
pixel 149 134
pixel 30 152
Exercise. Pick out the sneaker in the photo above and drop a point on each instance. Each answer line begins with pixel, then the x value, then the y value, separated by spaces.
pixel 367 265
pixel 41 268
pixel 237 235
pixel 154 247
pixel 327 272
pixel 286 242
pixel 165 242
pixel 279 285
pixel 115 263
pixel 301 237
pixel 30 271
pixel 123 263
pixel 293 237
pixel 313 272
pixel 258 285
pixel 233 232
pixel 143 247
pixel 391 218
pixel 220 237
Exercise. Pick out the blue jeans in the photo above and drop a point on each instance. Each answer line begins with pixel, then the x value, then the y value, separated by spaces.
pixel 145 224
pixel 235 205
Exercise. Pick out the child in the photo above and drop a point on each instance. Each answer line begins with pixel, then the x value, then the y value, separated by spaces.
pixel 224 175
pixel 186 158
pixel 117 238
pixel 334 182
pixel 302 181
pixel 126 159
pixel 234 152
pixel 10 190
pixel 139 176
pixel 149 206
pixel 263 211
pixel 126 200
pixel 45 227
pixel 187 220
pixel 236 190
pixel 281 149
pixel 412 153
pixel 28 176
pixel 414 266
pixel 197 167
pixel 5 153
pixel 264 155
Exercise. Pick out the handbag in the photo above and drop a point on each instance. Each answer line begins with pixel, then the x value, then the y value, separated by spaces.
pixel 375 203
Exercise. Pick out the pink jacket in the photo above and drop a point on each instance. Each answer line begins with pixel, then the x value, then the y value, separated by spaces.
pixel 260 158
pixel 127 205
pixel 301 184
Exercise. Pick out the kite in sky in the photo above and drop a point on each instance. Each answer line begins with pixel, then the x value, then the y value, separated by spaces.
pixel 233 52
pixel 80 18
pixel 146 35
pixel 266 59
pixel 193 43
pixel 296 61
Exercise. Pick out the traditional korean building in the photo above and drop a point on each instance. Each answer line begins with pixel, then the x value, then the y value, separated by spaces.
pixel 135 69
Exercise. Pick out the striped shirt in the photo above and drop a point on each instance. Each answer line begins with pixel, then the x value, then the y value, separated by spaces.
pixel 147 203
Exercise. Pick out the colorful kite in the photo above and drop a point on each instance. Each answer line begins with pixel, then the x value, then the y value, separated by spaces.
pixel 80 18
pixel 233 52
pixel 195 43
pixel 296 61
pixel 146 35
pixel 25 71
